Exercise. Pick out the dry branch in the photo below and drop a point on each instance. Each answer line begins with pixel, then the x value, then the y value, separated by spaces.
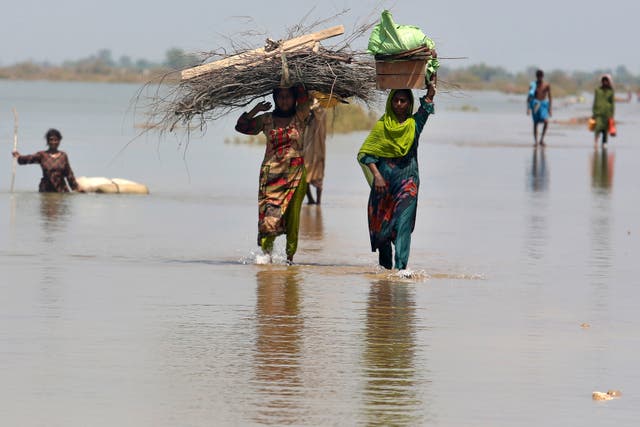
pixel 194 98
pixel 256 56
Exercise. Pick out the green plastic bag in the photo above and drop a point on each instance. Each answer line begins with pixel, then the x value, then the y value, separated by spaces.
pixel 389 38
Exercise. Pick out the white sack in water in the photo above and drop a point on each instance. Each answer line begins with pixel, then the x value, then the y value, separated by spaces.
pixel 111 185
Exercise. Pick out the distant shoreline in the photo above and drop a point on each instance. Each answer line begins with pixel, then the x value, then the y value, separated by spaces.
pixel 61 74
pixel 476 77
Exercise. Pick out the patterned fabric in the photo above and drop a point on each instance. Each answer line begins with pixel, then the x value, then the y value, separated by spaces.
pixel 315 146
pixel 55 168
pixel 282 169
pixel 291 220
pixel 392 214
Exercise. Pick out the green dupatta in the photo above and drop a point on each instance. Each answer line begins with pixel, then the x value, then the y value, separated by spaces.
pixel 389 138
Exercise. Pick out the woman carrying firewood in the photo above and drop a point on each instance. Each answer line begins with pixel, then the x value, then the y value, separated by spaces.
pixel 283 183
pixel 389 158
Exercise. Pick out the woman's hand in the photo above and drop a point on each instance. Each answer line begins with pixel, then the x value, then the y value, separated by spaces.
pixel 15 154
pixel 431 89
pixel 431 83
pixel 379 183
pixel 262 106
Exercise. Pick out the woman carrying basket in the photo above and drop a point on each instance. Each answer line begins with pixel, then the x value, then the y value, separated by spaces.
pixel 389 157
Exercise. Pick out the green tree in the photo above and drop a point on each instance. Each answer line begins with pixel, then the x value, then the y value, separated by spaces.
pixel 177 58
pixel 623 76
pixel 125 61
pixel 104 55
pixel 142 64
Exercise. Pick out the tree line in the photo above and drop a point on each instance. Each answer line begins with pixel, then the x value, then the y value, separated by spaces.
pixel 102 66
pixel 486 77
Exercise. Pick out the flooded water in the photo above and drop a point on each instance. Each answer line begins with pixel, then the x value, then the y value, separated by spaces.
pixel 149 310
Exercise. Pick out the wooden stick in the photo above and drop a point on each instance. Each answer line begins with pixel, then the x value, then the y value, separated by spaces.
pixel 307 40
pixel 15 146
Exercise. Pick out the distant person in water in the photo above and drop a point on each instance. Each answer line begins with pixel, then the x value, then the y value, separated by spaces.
pixel 603 109
pixel 55 166
pixel 539 106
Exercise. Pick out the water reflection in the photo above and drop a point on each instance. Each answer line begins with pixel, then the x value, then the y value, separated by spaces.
pixel 54 212
pixel 311 225
pixel 538 172
pixel 537 184
pixel 390 373
pixel 601 256
pixel 278 347
pixel 602 169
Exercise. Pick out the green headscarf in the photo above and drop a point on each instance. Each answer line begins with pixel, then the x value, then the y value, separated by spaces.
pixel 389 138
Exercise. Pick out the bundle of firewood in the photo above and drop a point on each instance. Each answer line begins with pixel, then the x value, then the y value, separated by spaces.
pixel 223 83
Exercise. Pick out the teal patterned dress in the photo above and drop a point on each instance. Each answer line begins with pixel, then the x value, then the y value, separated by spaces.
pixel 392 214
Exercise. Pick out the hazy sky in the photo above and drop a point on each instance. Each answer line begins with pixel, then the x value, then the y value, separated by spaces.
pixel 565 34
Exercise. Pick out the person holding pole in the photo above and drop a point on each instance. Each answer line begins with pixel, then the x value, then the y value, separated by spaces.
pixel 56 170
pixel 15 147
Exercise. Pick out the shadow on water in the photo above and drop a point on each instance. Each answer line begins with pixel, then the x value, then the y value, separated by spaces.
pixel 390 373
pixel 277 360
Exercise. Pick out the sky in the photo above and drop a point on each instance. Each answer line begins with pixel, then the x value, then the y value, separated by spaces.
pixel 515 34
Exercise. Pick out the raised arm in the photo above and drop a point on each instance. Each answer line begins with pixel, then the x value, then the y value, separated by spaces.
pixel 426 107
pixel 248 123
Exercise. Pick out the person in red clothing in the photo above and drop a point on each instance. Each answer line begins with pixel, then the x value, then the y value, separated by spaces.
pixel 55 166
pixel 283 182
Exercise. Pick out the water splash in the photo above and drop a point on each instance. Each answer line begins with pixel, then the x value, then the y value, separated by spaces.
pixel 410 275
pixel 258 257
